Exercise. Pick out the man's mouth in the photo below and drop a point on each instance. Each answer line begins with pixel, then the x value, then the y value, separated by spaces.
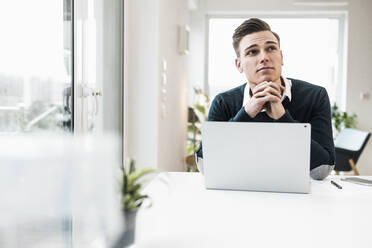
pixel 265 68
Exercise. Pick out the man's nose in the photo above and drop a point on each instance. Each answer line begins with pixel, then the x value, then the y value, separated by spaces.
pixel 264 57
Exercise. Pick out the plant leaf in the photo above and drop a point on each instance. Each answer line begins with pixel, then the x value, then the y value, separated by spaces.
pixel 190 128
pixel 190 149
pixel 200 108
pixel 137 174
pixel 133 188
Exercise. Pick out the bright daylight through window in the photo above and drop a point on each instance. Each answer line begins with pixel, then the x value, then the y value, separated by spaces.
pixel 35 66
pixel 311 52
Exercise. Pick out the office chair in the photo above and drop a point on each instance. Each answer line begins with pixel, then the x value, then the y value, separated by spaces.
pixel 349 144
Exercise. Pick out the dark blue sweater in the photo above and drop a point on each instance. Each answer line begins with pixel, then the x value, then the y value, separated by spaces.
pixel 309 104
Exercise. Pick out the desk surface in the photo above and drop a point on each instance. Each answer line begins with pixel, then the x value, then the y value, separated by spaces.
pixel 185 214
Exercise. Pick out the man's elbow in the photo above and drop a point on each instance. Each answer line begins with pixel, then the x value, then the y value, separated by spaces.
pixel 321 172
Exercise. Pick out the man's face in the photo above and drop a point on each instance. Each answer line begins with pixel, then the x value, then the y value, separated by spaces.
pixel 260 58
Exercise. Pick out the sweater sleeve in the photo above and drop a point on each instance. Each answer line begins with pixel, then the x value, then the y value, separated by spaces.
pixel 219 111
pixel 322 146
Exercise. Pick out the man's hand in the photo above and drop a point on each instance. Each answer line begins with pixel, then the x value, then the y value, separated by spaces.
pixel 266 95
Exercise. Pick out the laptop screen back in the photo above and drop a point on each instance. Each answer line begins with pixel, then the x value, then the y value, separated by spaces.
pixel 257 156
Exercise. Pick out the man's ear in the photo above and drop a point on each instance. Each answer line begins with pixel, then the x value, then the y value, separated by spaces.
pixel 238 65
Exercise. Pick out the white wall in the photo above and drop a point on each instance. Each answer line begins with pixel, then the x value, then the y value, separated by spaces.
pixel 358 54
pixel 172 124
pixel 141 77
pixel 154 136
pixel 359 72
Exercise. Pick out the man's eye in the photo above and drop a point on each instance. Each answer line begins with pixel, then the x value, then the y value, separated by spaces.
pixel 271 48
pixel 252 52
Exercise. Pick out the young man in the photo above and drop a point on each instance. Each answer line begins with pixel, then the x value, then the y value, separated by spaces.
pixel 270 97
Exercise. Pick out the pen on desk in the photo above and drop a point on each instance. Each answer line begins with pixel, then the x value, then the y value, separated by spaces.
pixel 335 184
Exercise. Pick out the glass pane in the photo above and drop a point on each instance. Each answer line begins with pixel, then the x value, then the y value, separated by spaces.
pixel 35 66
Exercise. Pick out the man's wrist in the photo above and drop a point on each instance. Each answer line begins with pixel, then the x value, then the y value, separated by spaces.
pixel 281 114
pixel 276 112
pixel 249 112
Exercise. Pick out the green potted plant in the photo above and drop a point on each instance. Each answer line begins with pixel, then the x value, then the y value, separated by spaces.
pixel 342 119
pixel 131 199
pixel 196 115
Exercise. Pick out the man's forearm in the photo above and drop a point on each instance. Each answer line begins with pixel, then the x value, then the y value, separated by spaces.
pixel 321 152
pixel 319 155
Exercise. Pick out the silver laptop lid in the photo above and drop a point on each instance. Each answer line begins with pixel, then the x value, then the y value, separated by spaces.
pixel 257 156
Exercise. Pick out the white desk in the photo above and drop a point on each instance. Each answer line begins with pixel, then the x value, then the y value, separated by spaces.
pixel 185 214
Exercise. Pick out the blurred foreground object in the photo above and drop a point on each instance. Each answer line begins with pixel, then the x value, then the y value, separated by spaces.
pixel 58 191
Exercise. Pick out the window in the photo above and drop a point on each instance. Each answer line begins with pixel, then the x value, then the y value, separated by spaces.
pixel 312 51
pixel 35 66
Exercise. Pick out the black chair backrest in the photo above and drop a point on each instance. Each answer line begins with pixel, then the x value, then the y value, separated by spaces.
pixel 349 144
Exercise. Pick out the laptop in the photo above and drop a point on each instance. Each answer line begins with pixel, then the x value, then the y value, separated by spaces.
pixel 257 156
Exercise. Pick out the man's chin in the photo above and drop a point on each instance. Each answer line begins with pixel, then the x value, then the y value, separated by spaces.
pixel 263 79
pixel 269 79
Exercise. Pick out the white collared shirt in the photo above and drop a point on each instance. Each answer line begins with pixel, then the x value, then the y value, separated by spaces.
pixel 287 91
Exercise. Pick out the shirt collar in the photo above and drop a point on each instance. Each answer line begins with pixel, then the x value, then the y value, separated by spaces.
pixel 287 91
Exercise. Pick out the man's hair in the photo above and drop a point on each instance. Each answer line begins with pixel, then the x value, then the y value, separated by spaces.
pixel 250 26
